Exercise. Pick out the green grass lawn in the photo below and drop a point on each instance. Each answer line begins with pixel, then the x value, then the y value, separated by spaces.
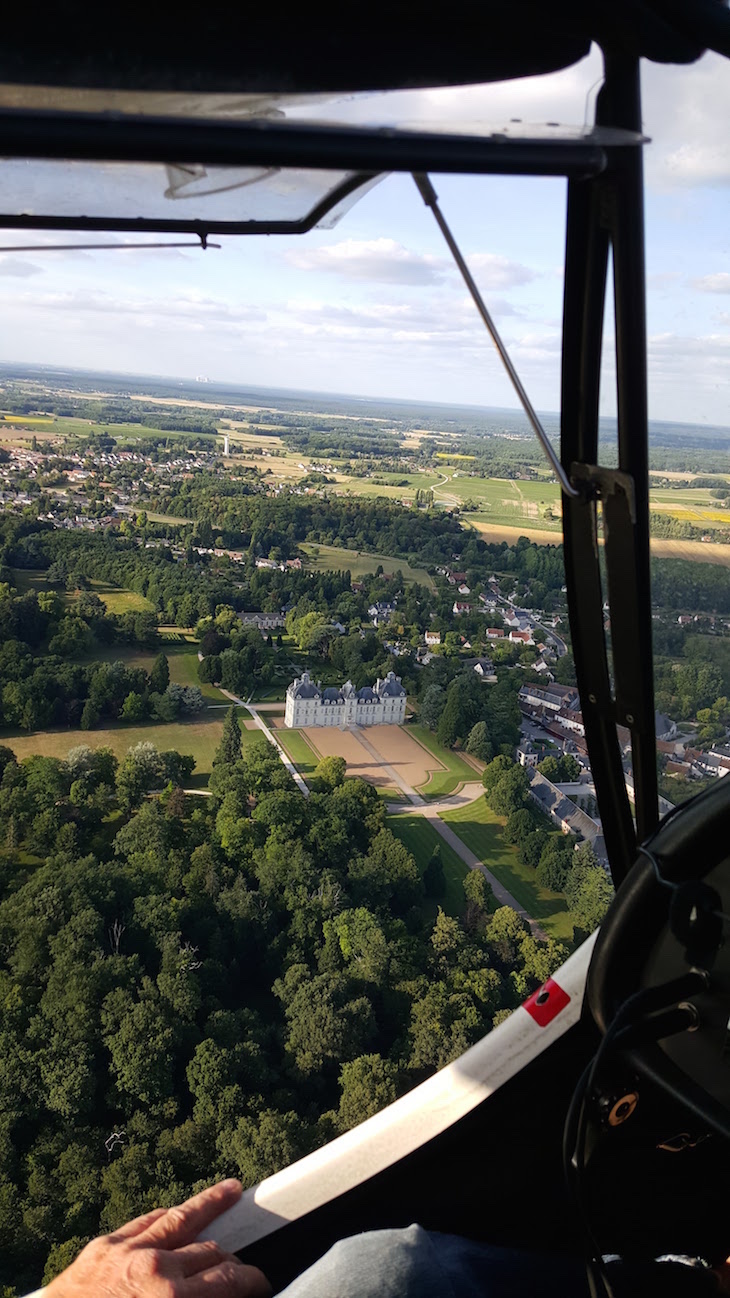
pixel 420 837
pixel 198 737
pixel 275 693
pixel 482 831
pixel 182 657
pixel 115 599
pixel 297 746
pixel 457 772
pixel 120 601
pixel 330 558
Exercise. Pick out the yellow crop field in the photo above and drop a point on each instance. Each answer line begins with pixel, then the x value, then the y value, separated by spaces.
pixel 25 419
pixel 696 515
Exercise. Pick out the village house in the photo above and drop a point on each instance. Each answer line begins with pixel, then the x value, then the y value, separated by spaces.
pixel 484 668
pixel 263 621
pixel 550 698
pixel 526 755
pixel 380 613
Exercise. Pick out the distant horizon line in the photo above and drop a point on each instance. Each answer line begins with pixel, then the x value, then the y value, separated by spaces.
pixel 319 392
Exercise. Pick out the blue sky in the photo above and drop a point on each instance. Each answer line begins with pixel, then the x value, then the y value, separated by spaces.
pixel 373 307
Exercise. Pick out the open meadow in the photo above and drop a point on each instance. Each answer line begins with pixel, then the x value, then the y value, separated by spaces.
pixel 329 558
pixel 182 658
pixel 296 746
pixel 114 598
pixel 199 737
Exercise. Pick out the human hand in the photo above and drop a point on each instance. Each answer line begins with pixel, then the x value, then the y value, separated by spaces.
pixel 155 1256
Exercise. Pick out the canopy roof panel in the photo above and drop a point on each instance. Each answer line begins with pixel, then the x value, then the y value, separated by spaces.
pixel 68 194
pixel 295 47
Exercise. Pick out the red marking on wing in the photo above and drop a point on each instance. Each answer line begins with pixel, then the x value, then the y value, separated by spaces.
pixel 546 1003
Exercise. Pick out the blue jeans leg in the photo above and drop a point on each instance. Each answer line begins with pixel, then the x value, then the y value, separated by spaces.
pixel 415 1263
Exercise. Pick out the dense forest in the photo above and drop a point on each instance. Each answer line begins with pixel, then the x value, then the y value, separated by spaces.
pixel 191 991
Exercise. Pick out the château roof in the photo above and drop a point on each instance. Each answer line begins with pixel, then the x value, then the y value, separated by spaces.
pixel 305 688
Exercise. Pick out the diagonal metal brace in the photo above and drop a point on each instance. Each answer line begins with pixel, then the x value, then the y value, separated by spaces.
pixel 633 705
pixel 430 198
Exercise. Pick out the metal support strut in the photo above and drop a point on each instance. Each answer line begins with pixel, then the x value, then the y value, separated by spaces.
pixel 602 213
pixel 430 198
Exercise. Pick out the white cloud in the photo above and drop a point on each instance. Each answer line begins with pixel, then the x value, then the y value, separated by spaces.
pixel 718 283
pixel 187 311
pixel 686 111
pixel 380 261
pixel 492 271
pixel 383 261
pixel 18 268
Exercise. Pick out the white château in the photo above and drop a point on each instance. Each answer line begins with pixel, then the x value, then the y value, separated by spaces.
pixel 381 704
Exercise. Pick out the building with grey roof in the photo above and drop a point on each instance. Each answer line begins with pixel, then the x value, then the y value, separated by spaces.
pixel 307 704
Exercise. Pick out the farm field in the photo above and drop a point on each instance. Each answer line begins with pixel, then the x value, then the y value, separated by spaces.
pixel 328 558
pixel 481 829
pixel 452 770
pixel 420 837
pixel 395 486
pixel 495 533
pixel 661 547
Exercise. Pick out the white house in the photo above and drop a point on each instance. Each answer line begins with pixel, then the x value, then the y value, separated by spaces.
pixel 381 704
pixel 433 637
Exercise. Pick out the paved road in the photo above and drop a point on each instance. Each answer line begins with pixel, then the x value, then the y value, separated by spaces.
pixel 468 793
pixel 291 768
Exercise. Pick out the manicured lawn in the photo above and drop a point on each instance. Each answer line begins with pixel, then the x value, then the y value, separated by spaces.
pixel 482 831
pixel 329 558
pixel 420 838
pixel 458 772
pixel 297 746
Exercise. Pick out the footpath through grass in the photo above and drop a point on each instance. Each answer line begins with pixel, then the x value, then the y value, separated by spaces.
pixel 441 783
pixel 420 837
pixel 482 830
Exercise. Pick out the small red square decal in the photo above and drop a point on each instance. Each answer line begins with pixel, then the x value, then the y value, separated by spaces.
pixel 546 1003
